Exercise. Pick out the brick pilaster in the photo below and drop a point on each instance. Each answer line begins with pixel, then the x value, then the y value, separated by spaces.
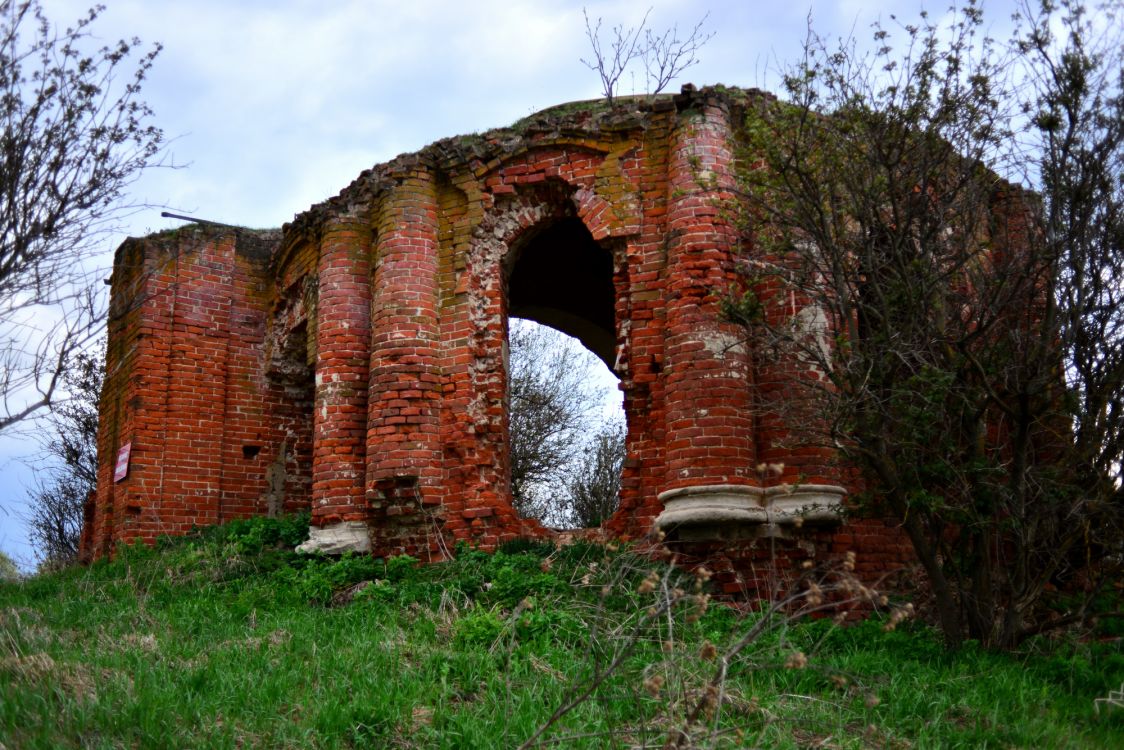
pixel 343 333
pixel 404 464
pixel 709 422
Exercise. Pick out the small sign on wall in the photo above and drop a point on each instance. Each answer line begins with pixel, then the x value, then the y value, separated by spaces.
pixel 121 470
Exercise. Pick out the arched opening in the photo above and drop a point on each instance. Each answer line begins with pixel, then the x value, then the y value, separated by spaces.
pixel 566 439
pixel 560 277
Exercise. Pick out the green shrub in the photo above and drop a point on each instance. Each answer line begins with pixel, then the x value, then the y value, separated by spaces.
pixel 480 628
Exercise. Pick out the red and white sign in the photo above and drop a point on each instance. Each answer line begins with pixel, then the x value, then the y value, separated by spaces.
pixel 122 469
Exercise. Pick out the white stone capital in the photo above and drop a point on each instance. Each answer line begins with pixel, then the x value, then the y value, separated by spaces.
pixel 723 506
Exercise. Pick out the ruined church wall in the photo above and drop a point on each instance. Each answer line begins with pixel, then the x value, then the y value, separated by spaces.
pixel 355 363
pixel 186 389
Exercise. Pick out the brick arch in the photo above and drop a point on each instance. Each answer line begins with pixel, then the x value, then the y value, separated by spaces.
pixel 511 225
pixel 519 220
pixel 561 277
pixel 595 212
pixel 514 214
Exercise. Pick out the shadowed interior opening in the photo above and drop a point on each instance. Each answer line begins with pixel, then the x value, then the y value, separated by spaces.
pixel 563 279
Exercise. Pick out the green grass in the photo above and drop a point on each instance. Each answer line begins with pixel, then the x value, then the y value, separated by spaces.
pixel 228 639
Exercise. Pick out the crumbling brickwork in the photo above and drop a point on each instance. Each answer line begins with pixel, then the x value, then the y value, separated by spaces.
pixel 211 435
pixel 354 362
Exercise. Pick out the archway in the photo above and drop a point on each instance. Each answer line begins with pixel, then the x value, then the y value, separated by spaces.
pixel 566 437
pixel 561 277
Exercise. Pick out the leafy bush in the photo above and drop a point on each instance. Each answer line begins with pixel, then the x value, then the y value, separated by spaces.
pixel 537 547
pixel 479 628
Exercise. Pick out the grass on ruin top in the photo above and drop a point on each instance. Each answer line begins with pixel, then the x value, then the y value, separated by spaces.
pixel 229 639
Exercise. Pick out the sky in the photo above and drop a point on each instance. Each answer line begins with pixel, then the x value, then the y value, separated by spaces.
pixel 271 106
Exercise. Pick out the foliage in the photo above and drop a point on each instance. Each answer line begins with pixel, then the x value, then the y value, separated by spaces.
pixel 664 55
pixel 595 486
pixel 58 500
pixel 75 136
pixel 549 406
pixel 252 535
pixel 206 641
pixel 555 428
pixel 977 371
pixel 9 571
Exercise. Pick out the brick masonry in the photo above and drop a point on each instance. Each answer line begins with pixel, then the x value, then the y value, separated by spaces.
pixel 353 362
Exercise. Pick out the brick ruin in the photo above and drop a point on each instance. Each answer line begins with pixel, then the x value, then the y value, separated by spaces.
pixel 353 363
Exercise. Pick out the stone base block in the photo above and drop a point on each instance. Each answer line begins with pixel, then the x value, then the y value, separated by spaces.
pixel 348 536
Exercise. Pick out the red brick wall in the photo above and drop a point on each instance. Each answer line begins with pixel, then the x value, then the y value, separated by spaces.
pixel 186 386
pixel 343 344
pixel 710 436
pixel 405 468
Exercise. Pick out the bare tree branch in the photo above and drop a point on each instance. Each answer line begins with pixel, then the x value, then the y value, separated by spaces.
pixel 70 473
pixel 560 471
pixel 665 55
pixel 74 136
pixel 595 483
pixel 625 47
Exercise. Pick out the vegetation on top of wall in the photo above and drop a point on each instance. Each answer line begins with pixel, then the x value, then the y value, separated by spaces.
pixel 565 112
pixel 228 638
pixel 581 111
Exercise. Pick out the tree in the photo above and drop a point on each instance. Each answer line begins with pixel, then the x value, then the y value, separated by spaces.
pixel 75 136
pixel 976 374
pixel 58 500
pixel 9 571
pixel 595 484
pixel 664 55
pixel 566 456
pixel 550 407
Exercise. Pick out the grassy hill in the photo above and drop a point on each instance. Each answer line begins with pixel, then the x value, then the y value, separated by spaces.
pixel 229 639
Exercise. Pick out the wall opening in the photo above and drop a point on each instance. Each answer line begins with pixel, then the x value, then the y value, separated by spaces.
pixel 566 428
pixel 288 473
pixel 566 422
pixel 561 277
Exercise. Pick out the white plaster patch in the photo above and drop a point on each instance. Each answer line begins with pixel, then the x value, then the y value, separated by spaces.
pixel 348 536
pixel 811 323
pixel 620 362
pixel 723 344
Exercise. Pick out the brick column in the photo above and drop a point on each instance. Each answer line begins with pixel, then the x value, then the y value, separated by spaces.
pixel 343 336
pixel 710 442
pixel 404 463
